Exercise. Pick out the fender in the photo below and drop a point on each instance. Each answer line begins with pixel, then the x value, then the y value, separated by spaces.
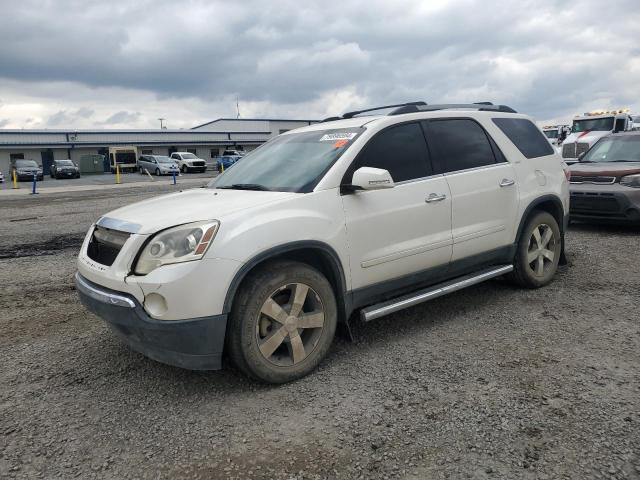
pixel 562 224
pixel 342 298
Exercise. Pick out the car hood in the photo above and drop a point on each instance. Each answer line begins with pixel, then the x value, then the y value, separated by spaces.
pixel 158 213
pixel 612 169
pixel 589 137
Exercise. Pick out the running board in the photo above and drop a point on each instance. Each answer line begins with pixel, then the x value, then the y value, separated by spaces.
pixel 391 306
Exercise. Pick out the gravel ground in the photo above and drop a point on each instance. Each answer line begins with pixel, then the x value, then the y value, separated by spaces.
pixel 491 382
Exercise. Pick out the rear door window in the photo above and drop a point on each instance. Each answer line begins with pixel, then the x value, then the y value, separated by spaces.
pixel 401 149
pixel 525 136
pixel 458 144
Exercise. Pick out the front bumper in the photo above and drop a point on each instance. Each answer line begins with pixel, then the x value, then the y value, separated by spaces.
pixel 613 203
pixel 28 176
pixel 66 173
pixel 194 344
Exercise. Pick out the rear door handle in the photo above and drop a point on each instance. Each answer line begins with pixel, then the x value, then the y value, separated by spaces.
pixel 434 197
pixel 507 182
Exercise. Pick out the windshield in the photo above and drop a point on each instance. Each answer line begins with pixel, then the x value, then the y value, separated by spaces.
pixel 615 149
pixel 64 163
pixel 26 164
pixel 161 159
pixel 599 124
pixel 188 156
pixel 289 163
pixel 551 133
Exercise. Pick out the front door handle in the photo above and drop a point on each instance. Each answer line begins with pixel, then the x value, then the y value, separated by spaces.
pixel 507 182
pixel 434 197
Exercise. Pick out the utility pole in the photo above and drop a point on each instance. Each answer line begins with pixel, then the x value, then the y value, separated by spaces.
pixel 238 107
pixel 161 120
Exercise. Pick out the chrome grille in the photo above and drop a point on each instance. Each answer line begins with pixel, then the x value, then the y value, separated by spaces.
pixel 596 179
pixel 105 245
pixel 569 150
pixel 581 148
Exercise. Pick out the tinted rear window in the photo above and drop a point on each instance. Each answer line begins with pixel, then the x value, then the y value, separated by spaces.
pixel 525 135
pixel 458 144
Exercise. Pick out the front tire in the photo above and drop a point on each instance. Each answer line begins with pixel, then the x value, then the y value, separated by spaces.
pixel 157 172
pixel 184 169
pixel 282 322
pixel 538 252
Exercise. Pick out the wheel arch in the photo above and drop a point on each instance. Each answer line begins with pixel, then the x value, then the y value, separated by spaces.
pixel 552 205
pixel 319 255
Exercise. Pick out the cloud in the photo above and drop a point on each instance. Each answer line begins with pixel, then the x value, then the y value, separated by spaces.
pixel 64 118
pixel 4 122
pixel 546 58
pixel 122 117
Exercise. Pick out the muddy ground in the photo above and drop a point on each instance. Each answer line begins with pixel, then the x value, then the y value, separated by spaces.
pixel 491 382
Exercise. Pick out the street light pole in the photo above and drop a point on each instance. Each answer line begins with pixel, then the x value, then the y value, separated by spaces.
pixel 161 120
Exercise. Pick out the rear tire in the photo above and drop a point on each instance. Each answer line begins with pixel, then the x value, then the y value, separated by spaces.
pixel 282 322
pixel 538 252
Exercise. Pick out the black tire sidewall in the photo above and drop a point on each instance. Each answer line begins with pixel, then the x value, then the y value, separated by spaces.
pixel 245 315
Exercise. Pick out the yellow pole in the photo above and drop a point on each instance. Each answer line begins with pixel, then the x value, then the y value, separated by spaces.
pixel 117 173
pixel 221 167
pixel 15 179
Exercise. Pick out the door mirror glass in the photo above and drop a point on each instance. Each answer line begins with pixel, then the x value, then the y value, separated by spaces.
pixel 369 178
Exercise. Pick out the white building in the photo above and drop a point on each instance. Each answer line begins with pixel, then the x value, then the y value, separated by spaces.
pixel 206 141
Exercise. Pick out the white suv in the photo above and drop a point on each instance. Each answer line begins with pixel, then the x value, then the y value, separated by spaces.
pixel 188 162
pixel 363 214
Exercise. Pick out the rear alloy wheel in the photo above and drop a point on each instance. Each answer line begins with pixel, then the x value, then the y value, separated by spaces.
pixel 282 323
pixel 538 252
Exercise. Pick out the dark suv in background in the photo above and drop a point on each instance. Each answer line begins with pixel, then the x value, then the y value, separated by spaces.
pixel 605 183
pixel 64 169
pixel 27 169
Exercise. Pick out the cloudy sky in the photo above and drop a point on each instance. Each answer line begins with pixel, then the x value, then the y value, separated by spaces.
pixel 123 64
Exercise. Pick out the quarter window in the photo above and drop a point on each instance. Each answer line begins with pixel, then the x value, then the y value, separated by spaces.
pixel 525 136
pixel 458 144
pixel 401 150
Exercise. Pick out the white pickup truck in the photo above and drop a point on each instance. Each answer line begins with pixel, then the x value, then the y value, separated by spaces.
pixel 361 215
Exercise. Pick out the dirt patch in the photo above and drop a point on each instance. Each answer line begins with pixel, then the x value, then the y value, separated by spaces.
pixel 51 246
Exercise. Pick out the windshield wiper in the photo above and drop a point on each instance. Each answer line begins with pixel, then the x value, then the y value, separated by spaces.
pixel 246 186
pixel 613 161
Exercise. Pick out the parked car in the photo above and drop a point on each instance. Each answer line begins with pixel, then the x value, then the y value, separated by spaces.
pixel 227 161
pixel 365 214
pixel 188 162
pixel 64 169
pixel 233 153
pixel 157 165
pixel 26 169
pixel 605 183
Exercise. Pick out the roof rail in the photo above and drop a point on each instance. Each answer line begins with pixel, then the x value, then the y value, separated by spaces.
pixel 358 112
pixel 482 106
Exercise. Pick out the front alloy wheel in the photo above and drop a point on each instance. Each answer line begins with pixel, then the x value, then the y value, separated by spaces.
pixel 290 324
pixel 282 322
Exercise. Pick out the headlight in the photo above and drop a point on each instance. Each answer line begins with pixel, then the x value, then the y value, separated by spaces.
pixel 178 244
pixel 631 181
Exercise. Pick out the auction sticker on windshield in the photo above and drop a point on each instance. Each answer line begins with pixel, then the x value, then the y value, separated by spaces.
pixel 330 137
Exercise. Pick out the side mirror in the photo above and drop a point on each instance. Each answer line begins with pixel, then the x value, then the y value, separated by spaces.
pixel 369 178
